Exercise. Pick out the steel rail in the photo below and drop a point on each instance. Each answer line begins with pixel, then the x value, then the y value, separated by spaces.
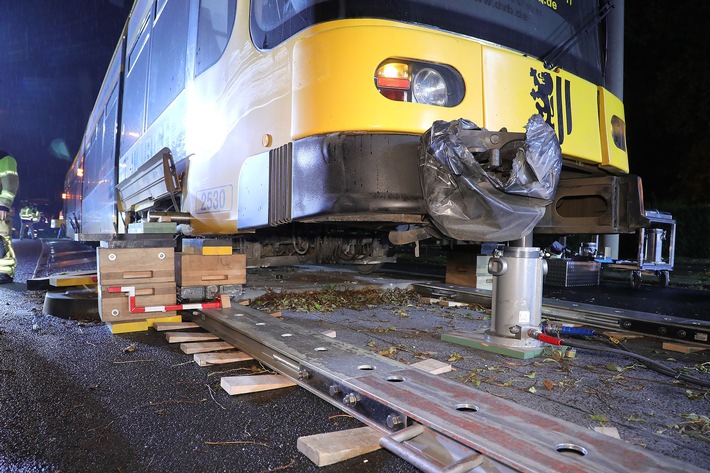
pixel 661 326
pixel 459 427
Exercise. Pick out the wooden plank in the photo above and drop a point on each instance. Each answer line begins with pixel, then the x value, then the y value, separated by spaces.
pixel 75 278
pixel 432 366
pixel 333 447
pixel 113 306
pixel 429 300
pixel 682 348
pixel 204 270
pixel 140 325
pixel 453 304
pixel 610 431
pixel 252 384
pixel 204 347
pixel 162 326
pixel 131 266
pixel 180 337
pixel 221 357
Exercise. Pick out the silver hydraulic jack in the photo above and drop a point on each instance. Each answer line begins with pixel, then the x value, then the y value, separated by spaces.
pixel 516 307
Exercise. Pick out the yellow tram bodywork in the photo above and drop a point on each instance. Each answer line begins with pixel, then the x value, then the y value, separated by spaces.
pixel 321 81
pixel 230 120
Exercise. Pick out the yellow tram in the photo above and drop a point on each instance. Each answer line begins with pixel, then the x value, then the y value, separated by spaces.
pixel 295 126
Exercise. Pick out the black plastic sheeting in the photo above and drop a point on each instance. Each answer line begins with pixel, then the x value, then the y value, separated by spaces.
pixel 468 200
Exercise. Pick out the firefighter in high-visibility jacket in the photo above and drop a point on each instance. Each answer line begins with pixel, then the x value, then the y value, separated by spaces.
pixel 28 217
pixel 9 183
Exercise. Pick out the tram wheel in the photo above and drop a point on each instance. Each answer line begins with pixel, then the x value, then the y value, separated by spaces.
pixel 367 268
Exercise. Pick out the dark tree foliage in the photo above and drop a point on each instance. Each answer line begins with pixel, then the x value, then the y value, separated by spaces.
pixel 667 98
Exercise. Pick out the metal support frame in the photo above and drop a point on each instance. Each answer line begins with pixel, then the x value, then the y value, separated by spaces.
pixel 446 424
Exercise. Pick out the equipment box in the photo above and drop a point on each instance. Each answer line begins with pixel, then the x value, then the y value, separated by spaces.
pixel 131 266
pixel 206 270
pixel 568 273
pixel 113 306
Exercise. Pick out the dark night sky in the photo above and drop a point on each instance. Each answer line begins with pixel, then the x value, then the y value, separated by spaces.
pixel 53 56
pixel 54 53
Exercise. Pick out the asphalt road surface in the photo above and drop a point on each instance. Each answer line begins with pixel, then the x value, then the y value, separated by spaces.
pixel 76 398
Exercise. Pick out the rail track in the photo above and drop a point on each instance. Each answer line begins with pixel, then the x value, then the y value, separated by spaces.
pixel 434 423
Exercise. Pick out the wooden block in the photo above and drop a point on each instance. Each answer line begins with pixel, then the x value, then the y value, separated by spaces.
pixel 75 278
pixel 113 306
pixel 225 300
pixel 432 366
pixel 181 337
pixel 205 270
pixel 204 347
pixel 221 357
pixel 333 447
pixel 682 348
pixel 468 269
pixel 140 325
pixel 329 333
pixel 252 384
pixel 163 326
pixel 130 266
pixel 429 300
pixel 453 304
pixel 610 431
pixel 206 246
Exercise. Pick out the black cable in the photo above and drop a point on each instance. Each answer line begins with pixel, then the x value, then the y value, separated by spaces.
pixel 651 364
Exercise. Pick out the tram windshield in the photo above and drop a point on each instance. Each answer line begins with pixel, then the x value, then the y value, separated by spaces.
pixel 538 28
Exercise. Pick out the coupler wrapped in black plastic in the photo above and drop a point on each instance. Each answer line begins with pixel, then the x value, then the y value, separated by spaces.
pixel 482 186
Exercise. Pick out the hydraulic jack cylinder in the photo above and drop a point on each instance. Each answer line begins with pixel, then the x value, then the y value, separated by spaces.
pixel 517 296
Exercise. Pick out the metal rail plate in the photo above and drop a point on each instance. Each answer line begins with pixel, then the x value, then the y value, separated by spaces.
pixel 662 326
pixel 453 422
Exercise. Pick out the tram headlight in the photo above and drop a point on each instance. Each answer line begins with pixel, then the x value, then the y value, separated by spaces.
pixel 430 87
pixel 409 80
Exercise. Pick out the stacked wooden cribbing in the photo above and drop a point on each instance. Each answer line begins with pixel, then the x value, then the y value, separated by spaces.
pixel 150 271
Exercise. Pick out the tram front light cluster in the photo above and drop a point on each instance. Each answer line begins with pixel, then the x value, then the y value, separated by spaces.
pixel 419 82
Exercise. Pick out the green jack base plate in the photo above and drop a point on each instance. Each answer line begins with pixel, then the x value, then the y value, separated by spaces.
pixel 476 340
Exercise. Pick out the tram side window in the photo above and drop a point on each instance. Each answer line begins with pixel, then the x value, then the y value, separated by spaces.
pixel 168 53
pixel 135 88
pixel 215 25
pixel 93 154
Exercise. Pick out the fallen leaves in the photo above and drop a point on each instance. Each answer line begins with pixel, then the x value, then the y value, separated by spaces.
pixel 330 299
pixel 454 358
pixel 601 418
pixel 696 425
